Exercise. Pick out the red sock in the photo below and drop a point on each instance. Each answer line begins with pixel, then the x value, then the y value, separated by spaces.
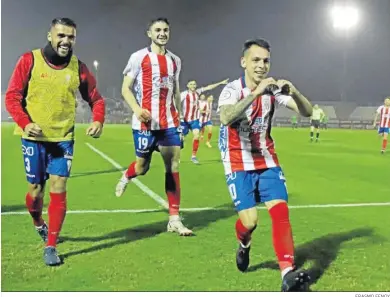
pixel 130 173
pixel 244 235
pixel 172 188
pixel 195 146
pixel 384 144
pixel 282 235
pixel 57 212
pixel 209 136
pixel 35 209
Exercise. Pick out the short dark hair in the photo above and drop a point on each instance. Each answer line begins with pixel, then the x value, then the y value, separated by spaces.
pixel 190 80
pixel 257 41
pixel 63 21
pixel 153 21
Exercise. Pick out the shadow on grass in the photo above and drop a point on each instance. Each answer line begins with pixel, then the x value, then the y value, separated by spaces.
pixel 321 251
pixel 75 175
pixel 196 220
pixel 10 208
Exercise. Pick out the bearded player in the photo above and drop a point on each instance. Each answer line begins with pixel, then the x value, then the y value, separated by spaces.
pixel 41 98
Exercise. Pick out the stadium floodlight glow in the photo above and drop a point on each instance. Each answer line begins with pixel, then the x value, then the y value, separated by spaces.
pixel 96 64
pixel 344 17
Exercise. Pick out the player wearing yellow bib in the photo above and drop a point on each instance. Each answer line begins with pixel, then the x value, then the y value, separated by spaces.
pixel 316 119
pixel 41 98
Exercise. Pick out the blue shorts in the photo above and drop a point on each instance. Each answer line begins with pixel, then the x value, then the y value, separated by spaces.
pixel 42 158
pixel 147 141
pixel 208 123
pixel 247 188
pixel 187 126
pixel 382 130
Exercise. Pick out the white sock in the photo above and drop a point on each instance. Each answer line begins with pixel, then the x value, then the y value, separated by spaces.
pixel 174 218
pixel 285 271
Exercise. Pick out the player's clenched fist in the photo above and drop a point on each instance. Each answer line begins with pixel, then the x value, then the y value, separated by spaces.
pixel 143 115
pixel 33 130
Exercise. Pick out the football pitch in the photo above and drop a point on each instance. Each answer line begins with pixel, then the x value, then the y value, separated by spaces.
pixel 340 190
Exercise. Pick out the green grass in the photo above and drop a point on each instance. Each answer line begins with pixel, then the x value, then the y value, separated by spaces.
pixel 345 249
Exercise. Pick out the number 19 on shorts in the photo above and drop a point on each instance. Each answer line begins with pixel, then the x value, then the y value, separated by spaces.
pixel 142 143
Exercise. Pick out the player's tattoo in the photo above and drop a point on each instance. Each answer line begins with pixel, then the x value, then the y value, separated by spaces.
pixel 234 112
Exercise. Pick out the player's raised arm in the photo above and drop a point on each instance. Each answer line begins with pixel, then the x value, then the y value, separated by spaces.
pixel 231 110
pixel 90 94
pixel 299 104
pixel 213 86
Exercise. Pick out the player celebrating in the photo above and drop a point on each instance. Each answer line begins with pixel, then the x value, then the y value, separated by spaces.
pixel 41 99
pixel 206 107
pixel 383 112
pixel 190 101
pixel 315 121
pixel 154 73
pixel 251 166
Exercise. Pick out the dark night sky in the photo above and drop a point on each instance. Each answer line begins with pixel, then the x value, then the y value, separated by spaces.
pixel 208 35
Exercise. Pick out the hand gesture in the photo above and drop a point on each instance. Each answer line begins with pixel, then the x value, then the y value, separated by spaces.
pixel 286 86
pixel 33 130
pixel 95 129
pixel 262 86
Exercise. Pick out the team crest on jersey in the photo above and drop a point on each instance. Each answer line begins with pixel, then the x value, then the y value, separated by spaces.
pixel 166 82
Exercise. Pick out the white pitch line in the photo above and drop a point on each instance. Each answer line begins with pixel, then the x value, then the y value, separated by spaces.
pixel 140 185
pixel 202 208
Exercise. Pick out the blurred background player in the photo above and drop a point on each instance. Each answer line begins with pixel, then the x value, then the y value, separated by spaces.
pixel 315 121
pixel 324 122
pixel 156 117
pixel 41 98
pixel 206 108
pixel 383 113
pixel 294 122
pixel 251 166
pixel 190 107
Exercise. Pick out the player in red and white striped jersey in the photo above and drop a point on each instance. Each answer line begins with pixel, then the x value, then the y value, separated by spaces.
pixel 206 108
pixel 252 169
pixel 190 106
pixel 151 88
pixel 383 113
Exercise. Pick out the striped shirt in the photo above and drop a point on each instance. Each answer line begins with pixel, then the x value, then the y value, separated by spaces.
pixel 247 145
pixel 155 77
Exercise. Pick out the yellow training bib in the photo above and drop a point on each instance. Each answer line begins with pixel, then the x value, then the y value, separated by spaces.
pixel 51 99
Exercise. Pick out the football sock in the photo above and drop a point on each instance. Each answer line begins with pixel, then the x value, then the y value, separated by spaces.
pixel 282 236
pixel 195 146
pixel 130 173
pixel 57 212
pixel 172 189
pixel 244 235
pixel 34 207
pixel 209 136
pixel 384 144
